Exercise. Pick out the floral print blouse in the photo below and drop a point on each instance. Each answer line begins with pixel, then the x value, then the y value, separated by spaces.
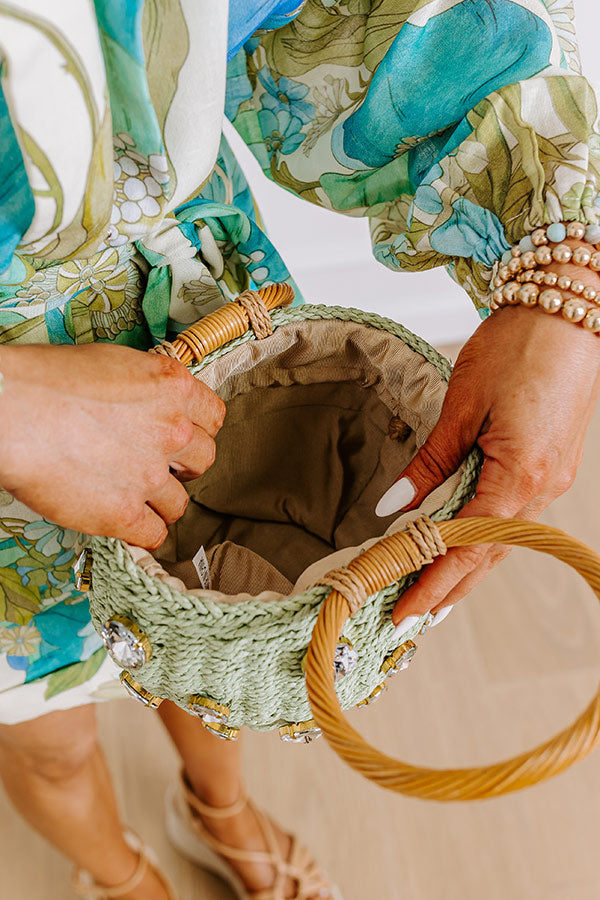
pixel 456 126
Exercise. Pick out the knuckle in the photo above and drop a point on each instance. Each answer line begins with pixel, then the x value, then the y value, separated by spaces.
pixel 220 412
pixel 180 432
pixel 132 515
pixel 470 557
pixel 532 478
pixel 211 453
pixel 156 477
pixel 176 373
pixel 428 461
pixel 564 480
pixel 157 538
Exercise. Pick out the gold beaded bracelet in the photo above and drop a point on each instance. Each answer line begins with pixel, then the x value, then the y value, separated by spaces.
pixel 518 280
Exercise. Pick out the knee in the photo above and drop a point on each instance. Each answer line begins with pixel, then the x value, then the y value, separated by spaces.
pixel 47 750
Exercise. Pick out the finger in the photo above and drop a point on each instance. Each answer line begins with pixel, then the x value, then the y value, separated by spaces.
pixel 450 578
pixel 170 501
pixel 440 456
pixel 196 457
pixel 180 389
pixel 494 497
pixel 206 409
pixel 142 528
pixel 496 553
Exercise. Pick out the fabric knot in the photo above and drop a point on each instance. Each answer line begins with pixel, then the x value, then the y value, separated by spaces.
pixel 349 585
pixel 258 314
pixel 398 429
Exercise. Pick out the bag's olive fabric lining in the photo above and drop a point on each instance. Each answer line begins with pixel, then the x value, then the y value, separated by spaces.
pixel 305 454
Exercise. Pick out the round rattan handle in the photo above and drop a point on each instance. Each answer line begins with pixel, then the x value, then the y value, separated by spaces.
pixel 226 323
pixel 381 565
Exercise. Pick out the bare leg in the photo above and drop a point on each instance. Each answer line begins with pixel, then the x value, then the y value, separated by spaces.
pixel 55 775
pixel 213 768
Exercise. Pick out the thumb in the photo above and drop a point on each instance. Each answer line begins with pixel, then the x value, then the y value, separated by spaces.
pixel 440 456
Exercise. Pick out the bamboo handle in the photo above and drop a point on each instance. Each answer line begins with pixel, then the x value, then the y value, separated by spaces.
pixel 224 324
pixel 381 565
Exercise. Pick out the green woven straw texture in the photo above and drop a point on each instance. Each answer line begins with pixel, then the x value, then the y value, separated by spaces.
pixel 249 654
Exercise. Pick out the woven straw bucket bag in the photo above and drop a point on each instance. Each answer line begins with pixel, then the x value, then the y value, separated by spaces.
pixel 269 604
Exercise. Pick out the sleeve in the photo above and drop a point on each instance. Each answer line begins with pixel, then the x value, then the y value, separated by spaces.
pixel 456 126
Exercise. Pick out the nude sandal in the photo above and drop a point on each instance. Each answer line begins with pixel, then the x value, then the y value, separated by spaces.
pixel 191 838
pixel 84 885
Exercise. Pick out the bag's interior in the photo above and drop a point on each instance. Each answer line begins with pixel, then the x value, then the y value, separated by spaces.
pixel 321 419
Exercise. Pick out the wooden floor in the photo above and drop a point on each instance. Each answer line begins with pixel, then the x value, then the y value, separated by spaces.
pixel 514 663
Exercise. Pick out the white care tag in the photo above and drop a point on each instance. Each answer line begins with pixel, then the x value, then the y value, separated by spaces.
pixel 201 566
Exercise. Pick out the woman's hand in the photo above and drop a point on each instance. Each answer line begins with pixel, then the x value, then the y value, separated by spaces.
pixel 524 388
pixel 87 436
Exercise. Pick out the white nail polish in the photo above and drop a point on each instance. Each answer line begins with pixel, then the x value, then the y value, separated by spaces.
pixel 405 625
pixel 441 615
pixel 397 497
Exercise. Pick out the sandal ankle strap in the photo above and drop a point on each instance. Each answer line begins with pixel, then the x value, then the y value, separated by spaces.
pixel 107 893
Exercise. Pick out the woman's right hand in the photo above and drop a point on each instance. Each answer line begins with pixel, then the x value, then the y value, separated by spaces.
pixel 88 435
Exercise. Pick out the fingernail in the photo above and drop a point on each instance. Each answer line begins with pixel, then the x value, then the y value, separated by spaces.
pixel 441 615
pixel 397 497
pixel 405 625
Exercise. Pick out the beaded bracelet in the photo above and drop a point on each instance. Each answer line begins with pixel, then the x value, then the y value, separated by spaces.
pixel 518 279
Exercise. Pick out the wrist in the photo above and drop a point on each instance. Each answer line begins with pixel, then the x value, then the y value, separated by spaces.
pixel 556 269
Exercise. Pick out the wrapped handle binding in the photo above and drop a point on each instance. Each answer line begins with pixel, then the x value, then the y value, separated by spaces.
pixel 383 564
pixel 250 310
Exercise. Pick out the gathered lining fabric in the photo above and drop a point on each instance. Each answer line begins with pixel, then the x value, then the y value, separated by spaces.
pixel 312 438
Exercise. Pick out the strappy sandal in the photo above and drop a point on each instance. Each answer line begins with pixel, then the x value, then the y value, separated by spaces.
pixel 191 838
pixel 84 885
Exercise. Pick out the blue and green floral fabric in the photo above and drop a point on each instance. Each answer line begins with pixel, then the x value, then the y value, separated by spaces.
pixel 455 126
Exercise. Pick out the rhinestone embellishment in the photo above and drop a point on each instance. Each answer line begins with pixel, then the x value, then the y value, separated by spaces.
pixel 373 697
pixel 209 710
pixel 139 693
pixel 224 732
pixel 426 624
pixel 345 659
pixel 83 571
pixel 300 732
pixel 125 642
pixel 400 658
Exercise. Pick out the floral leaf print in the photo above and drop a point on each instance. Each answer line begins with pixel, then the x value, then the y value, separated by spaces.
pixel 563 16
pixel 73 675
pixel 331 100
pixel 281 131
pixel 18 603
pixel 285 95
pixel 19 640
pixel 166 46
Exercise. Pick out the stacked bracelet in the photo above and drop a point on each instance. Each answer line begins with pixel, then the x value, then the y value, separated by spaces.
pixel 519 279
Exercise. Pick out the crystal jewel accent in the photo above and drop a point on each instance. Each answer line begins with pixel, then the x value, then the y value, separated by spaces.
pixel 345 659
pixel 374 696
pixel 209 710
pixel 83 571
pixel 400 658
pixel 139 693
pixel 224 732
pixel 125 643
pixel 300 732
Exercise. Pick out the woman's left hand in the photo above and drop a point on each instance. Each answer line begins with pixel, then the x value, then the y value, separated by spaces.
pixel 524 388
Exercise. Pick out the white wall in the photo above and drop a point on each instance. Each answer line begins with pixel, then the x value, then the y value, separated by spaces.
pixel 329 254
